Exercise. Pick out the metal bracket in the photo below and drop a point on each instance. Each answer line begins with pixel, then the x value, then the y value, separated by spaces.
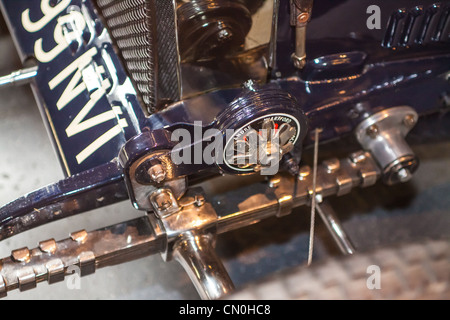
pixel 88 251
pixel 383 134
pixel 190 227
pixel 187 231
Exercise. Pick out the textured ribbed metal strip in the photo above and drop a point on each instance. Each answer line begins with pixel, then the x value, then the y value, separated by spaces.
pixel 145 33
pixel 167 43
pixel 418 26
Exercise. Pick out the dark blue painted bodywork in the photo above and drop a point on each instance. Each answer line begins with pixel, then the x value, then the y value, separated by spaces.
pixel 327 89
pixel 120 93
pixel 352 72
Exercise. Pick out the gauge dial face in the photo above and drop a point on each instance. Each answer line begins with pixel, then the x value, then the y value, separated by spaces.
pixel 259 141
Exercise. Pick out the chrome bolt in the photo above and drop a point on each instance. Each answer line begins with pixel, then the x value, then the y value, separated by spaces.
pixel 332 165
pixel 299 62
pixel 357 157
pixel 304 172
pixel 163 201
pixel 409 121
pixel 250 85
pixel 404 175
pixel 372 131
pixel 274 182
pixel 303 17
pixel 224 34
pixel 157 173
pixel 199 200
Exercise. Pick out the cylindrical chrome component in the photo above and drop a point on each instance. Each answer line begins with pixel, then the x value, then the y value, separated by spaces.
pixel 19 77
pixel 300 16
pixel 198 257
pixel 334 226
pixel 299 57
pixel 383 134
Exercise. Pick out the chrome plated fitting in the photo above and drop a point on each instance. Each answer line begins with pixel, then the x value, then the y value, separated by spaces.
pixel 383 134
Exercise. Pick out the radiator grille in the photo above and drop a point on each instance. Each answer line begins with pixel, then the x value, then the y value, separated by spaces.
pixel 145 33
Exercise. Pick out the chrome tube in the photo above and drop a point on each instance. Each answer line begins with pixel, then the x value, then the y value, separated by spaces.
pixel 301 11
pixel 18 77
pixel 198 257
pixel 299 57
pixel 334 226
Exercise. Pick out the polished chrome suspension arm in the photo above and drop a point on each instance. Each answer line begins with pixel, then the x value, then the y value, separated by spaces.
pixel 52 260
pixel 171 230
pixel 244 206
pixel 18 77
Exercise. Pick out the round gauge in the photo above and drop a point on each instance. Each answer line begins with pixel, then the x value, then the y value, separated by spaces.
pixel 261 142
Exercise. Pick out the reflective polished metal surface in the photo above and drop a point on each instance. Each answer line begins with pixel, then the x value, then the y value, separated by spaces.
pixel 125 80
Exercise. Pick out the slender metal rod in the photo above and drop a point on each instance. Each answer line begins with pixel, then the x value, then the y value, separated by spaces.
pixel 334 226
pixel 300 43
pixel 198 257
pixel 313 196
pixel 274 35
pixel 18 77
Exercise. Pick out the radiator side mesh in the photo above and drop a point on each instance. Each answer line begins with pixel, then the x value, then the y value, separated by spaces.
pixel 168 44
pixel 418 26
pixel 145 33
